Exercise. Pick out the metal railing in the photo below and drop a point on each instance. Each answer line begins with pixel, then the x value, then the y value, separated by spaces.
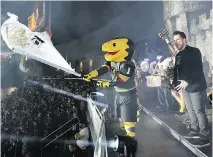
pixel 97 128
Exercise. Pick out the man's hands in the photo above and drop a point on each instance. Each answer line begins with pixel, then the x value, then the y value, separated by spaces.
pixel 103 84
pixel 91 75
pixel 182 86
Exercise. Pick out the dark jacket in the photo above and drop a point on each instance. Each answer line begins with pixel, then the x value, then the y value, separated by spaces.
pixel 189 67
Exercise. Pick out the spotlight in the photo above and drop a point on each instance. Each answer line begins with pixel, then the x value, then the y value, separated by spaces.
pixel 125 145
pixel 25 66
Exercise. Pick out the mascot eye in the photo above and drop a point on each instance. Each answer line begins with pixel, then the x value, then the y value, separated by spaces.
pixel 114 44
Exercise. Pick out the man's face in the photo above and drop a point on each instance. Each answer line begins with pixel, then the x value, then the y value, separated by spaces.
pixel 179 42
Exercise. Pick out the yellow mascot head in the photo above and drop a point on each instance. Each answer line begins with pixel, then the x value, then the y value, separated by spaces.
pixel 119 50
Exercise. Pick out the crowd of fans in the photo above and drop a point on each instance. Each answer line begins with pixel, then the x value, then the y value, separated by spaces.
pixel 30 112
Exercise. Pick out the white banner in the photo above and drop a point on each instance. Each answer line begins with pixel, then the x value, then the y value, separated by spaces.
pixel 20 39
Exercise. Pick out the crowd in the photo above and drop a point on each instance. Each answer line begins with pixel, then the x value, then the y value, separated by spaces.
pixel 30 112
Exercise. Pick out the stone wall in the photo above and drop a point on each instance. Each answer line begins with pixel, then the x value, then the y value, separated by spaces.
pixel 173 8
pixel 201 35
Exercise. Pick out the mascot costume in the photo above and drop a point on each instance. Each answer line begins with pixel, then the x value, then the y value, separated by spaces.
pixel 118 54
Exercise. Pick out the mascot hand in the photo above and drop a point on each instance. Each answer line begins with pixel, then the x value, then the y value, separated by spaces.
pixel 91 75
pixel 103 84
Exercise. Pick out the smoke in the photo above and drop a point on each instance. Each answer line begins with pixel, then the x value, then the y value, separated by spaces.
pixel 135 21
pixel 80 18
pixel 111 144
pixel 10 71
pixel 31 139
pixel 78 97
pixel 38 139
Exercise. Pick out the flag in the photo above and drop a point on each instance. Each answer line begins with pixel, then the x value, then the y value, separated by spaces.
pixel 35 45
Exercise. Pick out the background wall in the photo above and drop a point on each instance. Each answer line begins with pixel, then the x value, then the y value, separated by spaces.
pixel 195 19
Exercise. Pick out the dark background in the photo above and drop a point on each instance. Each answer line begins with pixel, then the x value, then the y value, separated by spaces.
pixel 70 20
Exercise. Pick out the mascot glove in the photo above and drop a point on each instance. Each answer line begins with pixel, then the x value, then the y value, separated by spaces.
pixel 91 75
pixel 103 84
pixel 87 77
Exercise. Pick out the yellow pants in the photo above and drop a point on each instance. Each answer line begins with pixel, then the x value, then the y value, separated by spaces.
pixel 129 128
pixel 178 96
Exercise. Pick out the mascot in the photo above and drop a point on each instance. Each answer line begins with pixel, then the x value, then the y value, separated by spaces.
pixel 118 54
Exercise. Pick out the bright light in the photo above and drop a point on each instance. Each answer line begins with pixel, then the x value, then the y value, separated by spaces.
pixel 23 67
pixel 81 64
pixel 125 145
pixel 116 143
pixel 11 89
pixel 112 144
pixel 90 63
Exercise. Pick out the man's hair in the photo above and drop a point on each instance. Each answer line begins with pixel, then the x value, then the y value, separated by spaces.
pixel 182 34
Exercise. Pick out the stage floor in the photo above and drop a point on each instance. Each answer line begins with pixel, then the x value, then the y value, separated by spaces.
pixel 152 140
pixel 175 122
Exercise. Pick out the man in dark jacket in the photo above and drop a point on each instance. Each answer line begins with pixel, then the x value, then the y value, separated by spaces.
pixel 189 78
